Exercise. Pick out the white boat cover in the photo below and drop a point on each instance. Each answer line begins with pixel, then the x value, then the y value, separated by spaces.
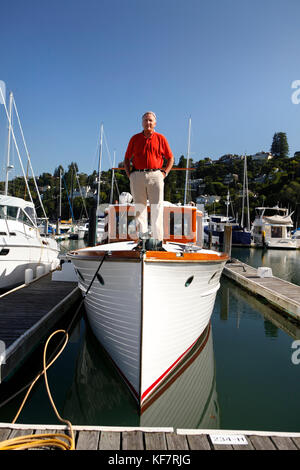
pixel 279 220
pixel 15 202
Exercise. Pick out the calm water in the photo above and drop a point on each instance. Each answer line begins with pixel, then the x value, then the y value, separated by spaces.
pixel 242 378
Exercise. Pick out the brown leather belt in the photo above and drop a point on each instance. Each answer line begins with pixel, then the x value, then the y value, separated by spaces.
pixel 145 170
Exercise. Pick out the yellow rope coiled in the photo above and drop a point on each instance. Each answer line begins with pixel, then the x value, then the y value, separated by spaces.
pixel 61 441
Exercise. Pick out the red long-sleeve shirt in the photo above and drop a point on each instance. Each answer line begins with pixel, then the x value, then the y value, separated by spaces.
pixel 148 152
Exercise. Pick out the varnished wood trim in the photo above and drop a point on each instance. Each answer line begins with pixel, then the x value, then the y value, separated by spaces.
pixel 171 256
pixel 124 255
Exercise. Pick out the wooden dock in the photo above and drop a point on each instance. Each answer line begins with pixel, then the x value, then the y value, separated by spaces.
pixel 160 439
pixel 27 315
pixel 282 295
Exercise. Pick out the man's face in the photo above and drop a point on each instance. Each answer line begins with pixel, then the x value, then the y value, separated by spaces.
pixel 149 122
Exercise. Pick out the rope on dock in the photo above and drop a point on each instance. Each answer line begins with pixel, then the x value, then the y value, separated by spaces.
pixel 42 440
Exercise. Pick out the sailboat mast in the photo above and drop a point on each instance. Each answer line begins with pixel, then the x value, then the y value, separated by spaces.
pixel 227 204
pixel 187 162
pixel 112 180
pixel 8 167
pixel 99 164
pixel 59 215
pixel 245 194
pixel 247 197
pixel 243 201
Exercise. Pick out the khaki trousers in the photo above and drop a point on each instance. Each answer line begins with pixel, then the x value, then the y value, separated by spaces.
pixel 148 185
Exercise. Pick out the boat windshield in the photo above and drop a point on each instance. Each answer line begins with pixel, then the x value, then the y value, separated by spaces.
pixel 31 212
pixel 271 211
pixel 15 213
pixel 24 218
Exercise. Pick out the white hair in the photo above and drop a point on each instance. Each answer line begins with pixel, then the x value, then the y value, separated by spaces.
pixel 149 112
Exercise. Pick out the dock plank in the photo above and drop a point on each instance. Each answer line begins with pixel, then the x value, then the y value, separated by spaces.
pixel 132 440
pixel 176 441
pixel 4 433
pixel 262 443
pixel 284 443
pixel 88 440
pixel 296 441
pixel 110 440
pixel 198 442
pixel 155 441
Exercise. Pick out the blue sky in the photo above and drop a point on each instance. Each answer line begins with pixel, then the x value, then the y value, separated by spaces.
pixel 73 64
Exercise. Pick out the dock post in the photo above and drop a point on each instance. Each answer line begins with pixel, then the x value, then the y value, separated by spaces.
pixel 227 239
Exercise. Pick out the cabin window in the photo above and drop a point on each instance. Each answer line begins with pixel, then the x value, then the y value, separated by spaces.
pixel 276 232
pixel 9 212
pixel 179 224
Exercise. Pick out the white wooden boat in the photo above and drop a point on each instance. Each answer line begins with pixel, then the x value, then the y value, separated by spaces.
pixel 272 228
pixel 22 246
pixel 149 305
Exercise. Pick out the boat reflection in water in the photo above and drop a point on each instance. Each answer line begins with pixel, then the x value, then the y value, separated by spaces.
pixel 188 399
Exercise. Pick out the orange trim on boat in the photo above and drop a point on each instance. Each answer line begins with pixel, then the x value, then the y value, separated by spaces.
pixel 172 256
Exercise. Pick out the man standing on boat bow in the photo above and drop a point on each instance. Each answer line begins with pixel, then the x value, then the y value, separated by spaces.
pixel 145 152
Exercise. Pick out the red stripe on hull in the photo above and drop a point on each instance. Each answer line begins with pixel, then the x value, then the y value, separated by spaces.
pixel 157 381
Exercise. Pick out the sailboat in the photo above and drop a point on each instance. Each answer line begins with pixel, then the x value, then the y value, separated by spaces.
pixel 241 233
pixel 22 245
pixel 214 229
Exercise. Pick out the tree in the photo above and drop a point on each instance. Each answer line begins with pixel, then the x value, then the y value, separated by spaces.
pixel 280 147
pixel 57 170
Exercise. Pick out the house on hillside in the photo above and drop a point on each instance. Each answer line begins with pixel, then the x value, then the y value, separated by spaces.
pixel 262 156
pixel 230 178
pixel 207 199
pixel 86 191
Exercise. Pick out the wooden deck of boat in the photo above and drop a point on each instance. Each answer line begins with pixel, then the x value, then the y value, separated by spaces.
pixel 28 313
pixel 159 439
pixel 280 294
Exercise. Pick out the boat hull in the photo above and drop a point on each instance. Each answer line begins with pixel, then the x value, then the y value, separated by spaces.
pixel 25 249
pixel 148 311
pixel 178 300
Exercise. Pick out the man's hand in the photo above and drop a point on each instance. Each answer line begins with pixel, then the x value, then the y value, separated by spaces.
pixel 127 167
